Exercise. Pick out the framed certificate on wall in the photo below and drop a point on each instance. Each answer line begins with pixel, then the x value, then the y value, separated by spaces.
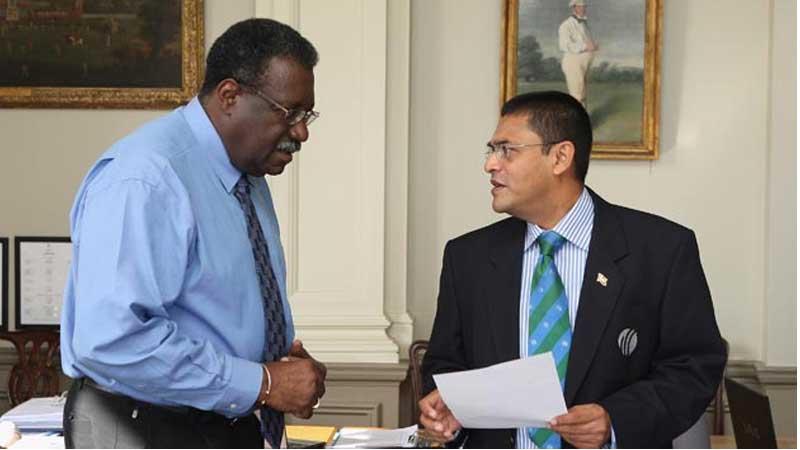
pixel 42 266
pixel 4 283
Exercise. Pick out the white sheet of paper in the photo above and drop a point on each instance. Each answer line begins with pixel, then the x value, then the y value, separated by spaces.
pixel 520 393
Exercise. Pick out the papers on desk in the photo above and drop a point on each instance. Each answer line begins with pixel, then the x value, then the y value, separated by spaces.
pixel 521 393
pixel 375 438
pixel 37 414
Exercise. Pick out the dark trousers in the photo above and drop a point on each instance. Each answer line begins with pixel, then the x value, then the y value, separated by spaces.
pixel 95 418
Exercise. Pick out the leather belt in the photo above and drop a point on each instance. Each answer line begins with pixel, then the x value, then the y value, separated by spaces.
pixel 185 413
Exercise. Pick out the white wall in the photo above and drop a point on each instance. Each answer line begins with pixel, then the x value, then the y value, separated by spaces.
pixel 711 176
pixel 781 264
pixel 455 54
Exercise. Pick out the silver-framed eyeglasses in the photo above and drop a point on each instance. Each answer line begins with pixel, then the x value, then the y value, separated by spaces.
pixel 502 150
pixel 292 116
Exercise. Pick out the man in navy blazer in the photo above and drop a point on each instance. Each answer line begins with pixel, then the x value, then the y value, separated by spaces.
pixel 645 356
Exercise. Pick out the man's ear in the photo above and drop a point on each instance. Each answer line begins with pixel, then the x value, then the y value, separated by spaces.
pixel 564 157
pixel 227 94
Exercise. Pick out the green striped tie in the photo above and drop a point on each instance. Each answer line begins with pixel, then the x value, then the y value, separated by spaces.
pixel 548 324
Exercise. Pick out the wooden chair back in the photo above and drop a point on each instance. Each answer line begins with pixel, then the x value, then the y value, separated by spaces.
pixel 36 372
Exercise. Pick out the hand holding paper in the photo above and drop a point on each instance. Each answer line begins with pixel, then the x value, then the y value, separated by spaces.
pixel 584 426
pixel 439 422
pixel 521 393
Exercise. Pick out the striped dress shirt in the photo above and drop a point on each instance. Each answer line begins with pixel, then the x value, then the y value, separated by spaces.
pixel 576 227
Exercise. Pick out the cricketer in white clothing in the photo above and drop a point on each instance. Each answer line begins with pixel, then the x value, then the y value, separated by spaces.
pixel 575 40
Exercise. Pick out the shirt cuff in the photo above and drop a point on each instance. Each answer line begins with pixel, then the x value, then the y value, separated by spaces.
pixel 243 388
pixel 613 442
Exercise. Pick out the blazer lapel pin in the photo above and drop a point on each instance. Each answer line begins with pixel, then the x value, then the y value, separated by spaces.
pixel 602 279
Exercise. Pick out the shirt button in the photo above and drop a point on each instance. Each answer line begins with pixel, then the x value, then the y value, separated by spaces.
pixel 234 405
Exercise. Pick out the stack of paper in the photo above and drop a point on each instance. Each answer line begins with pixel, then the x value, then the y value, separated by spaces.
pixel 37 414
pixel 50 439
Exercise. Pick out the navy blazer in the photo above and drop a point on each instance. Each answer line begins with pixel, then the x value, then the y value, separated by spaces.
pixel 655 286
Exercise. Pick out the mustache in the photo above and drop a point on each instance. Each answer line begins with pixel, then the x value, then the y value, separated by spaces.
pixel 288 146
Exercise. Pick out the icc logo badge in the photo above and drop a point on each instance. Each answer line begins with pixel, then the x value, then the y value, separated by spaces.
pixel 627 340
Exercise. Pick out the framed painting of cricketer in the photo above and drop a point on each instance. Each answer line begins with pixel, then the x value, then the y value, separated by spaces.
pixel 605 54
pixel 144 54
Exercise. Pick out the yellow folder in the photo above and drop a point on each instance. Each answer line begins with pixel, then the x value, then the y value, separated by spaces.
pixel 310 432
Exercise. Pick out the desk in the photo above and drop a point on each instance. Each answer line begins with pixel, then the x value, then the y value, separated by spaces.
pixel 728 441
pixel 40 441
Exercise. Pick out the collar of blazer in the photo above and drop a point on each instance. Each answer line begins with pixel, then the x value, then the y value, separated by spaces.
pixel 607 247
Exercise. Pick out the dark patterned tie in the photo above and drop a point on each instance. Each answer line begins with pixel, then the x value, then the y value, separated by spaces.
pixel 272 421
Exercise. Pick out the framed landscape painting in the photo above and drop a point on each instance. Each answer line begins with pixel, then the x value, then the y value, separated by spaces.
pixel 100 53
pixel 605 54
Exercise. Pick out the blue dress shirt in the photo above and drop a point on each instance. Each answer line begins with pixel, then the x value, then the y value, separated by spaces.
pixel 163 303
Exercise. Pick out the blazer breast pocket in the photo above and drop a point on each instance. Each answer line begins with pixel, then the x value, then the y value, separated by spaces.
pixel 633 342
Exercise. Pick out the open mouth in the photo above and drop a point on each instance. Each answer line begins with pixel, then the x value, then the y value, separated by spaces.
pixel 496 186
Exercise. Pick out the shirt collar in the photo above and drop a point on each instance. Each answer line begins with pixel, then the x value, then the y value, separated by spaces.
pixel 575 226
pixel 211 143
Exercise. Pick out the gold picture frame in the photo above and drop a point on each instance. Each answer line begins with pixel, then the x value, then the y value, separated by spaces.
pixel 630 118
pixel 102 58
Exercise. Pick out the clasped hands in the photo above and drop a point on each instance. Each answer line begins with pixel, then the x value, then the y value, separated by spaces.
pixel 298 382
pixel 583 426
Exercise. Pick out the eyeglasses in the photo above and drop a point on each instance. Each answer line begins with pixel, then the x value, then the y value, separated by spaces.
pixel 504 149
pixel 292 116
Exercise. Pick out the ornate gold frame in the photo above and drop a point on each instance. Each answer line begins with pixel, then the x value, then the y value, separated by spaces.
pixel 648 147
pixel 123 98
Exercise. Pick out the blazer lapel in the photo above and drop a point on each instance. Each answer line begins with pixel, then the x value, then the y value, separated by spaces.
pixel 502 291
pixel 602 284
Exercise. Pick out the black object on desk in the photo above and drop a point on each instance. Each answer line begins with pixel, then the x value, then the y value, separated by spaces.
pixel 751 416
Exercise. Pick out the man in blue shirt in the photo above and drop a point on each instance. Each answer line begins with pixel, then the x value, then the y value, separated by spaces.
pixel 176 325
